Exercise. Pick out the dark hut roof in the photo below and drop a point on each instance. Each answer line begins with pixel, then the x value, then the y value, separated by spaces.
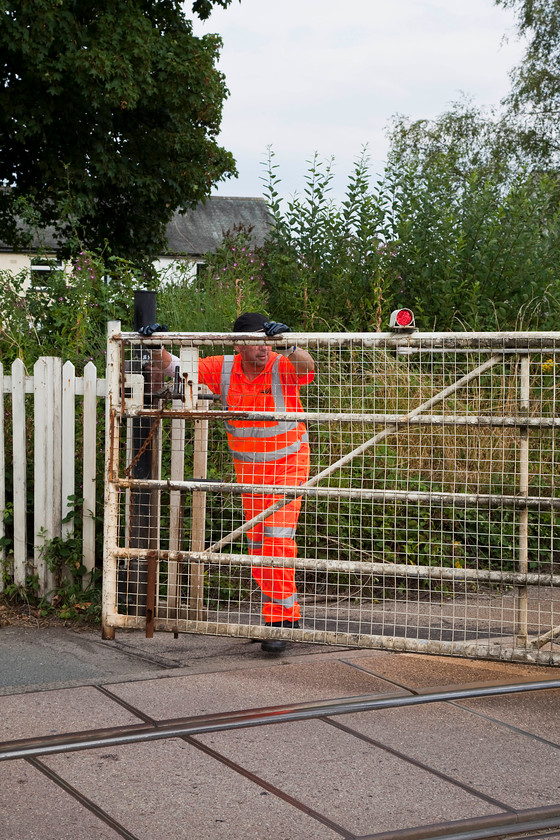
pixel 202 229
pixel 196 232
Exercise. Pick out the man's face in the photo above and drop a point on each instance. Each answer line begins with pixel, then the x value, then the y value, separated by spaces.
pixel 253 357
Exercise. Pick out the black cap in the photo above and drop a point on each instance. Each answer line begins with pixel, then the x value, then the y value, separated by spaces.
pixel 250 322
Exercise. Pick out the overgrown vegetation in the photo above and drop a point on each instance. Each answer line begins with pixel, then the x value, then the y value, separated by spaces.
pixel 232 282
pixel 465 252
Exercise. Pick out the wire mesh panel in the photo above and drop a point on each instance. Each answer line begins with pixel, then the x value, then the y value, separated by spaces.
pixel 427 519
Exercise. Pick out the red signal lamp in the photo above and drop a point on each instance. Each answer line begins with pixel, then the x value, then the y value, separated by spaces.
pixel 402 320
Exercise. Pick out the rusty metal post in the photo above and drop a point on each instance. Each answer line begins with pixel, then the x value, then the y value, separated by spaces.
pixel 109 594
pixel 151 559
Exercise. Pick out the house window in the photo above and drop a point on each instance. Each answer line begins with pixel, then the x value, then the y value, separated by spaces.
pixel 40 270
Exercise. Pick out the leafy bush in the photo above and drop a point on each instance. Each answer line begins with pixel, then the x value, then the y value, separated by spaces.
pixel 330 267
pixel 473 251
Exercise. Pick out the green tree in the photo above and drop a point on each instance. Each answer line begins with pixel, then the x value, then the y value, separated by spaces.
pixel 535 95
pixel 523 131
pixel 109 114
pixel 493 142
pixel 475 252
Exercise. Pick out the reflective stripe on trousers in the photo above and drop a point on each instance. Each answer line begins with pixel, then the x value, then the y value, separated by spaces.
pixel 284 602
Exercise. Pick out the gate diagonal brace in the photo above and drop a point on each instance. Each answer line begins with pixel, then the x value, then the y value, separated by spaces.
pixel 539 642
pixel 389 430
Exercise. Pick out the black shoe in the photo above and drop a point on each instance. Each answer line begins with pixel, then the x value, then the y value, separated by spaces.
pixel 273 646
pixel 278 645
pixel 286 623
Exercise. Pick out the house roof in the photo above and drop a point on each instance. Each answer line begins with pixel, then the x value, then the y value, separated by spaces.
pixel 197 231
pixel 202 229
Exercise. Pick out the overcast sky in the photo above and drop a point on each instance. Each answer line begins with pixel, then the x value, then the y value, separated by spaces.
pixel 326 76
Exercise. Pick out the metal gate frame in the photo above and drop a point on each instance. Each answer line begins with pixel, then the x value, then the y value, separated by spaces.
pixel 191 617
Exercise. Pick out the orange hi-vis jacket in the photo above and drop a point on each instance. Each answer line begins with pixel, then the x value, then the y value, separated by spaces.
pixel 266 452
pixel 275 389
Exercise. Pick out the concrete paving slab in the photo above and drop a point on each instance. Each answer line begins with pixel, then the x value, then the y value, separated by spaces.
pixel 48 657
pixel 59 711
pixel 188 650
pixel 171 789
pixel 285 682
pixel 514 768
pixel 32 658
pixel 417 671
pixel 538 715
pixel 355 783
pixel 33 807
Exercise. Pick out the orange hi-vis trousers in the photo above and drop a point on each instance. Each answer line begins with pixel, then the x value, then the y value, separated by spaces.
pixel 275 536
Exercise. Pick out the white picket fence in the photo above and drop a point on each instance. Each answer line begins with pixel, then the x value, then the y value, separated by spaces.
pixel 55 389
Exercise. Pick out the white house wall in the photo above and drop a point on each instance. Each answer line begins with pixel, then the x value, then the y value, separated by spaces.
pixel 172 269
pixel 14 262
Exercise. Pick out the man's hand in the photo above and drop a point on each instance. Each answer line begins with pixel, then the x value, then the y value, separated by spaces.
pixel 150 329
pixel 272 328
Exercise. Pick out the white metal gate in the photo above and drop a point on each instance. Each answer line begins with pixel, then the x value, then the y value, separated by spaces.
pixel 429 522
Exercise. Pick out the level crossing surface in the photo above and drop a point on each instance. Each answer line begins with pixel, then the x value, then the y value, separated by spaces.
pixel 319 743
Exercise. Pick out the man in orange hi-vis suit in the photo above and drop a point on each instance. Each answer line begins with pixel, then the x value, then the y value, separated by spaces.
pixel 265 452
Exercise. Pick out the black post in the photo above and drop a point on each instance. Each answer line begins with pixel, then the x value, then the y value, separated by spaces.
pixel 142 527
pixel 144 308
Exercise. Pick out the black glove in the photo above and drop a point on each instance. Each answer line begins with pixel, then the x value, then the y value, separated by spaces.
pixel 149 329
pixel 274 328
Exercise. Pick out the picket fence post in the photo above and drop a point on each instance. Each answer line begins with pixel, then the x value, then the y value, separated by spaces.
pixel 55 389
pixel 19 447
pixel 68 444
pixel 47 463
pixel 89 469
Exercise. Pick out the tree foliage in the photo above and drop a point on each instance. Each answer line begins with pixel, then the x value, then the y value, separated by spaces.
pixel 536 81
pixel 109 114
pixel 474 253
pixel 519 134
pixel 535 94
pixel 492 142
